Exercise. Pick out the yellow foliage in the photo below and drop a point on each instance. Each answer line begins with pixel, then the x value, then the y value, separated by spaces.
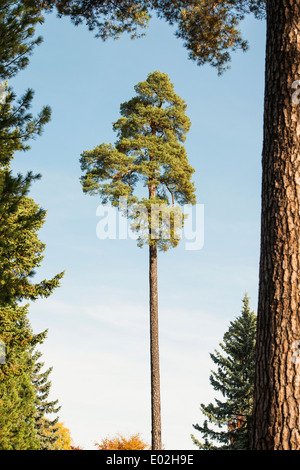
pixel 119 442
pixel 64 440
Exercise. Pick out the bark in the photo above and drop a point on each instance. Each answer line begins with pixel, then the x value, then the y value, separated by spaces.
pixel 154 342
pixel 276 421
pixel 154 351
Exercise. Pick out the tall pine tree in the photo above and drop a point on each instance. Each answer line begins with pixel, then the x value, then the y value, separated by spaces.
pixel 229 422
pixel 148 151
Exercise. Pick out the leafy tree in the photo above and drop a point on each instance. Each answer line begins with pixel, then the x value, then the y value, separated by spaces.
pixel 119 442
pixel 234 378
pixel 63 439
pixel 149 150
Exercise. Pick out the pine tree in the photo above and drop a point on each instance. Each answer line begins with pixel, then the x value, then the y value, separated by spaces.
pixel 20 219
pixel 210 29
pixel 149 150
pixel 18 20
pixel 231 420
pixel 277 392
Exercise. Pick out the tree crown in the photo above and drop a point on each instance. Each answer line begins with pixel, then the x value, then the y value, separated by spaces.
pixel 148 150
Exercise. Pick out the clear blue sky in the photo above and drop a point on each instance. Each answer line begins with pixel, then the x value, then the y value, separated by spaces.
pixel 98 340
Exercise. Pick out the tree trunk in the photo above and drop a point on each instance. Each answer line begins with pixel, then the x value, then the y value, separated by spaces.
pixel 276 419
pixel 154 350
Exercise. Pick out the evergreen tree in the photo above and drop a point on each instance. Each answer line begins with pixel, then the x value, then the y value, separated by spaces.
pixel 277 391
pixel 24 388
pixel 18 20
pixel 45 427
pixel 210 29
pixel 20 219
pixel 19 403
pixel 149 150
pixel 17 125
pixel 231 419
pixel 17 394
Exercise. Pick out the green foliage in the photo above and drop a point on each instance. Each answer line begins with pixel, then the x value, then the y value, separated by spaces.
pixel 17 394
pixel 18 20
pixel 20 218
pixel 24 387
pixel 209 28
pixel 17 125
pixel 148 150
pixel 20 249
pixel 22 397
pixel 45 427
pixel 234 378
pixel 109 19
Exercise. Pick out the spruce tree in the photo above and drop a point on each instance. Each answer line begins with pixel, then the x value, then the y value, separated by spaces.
pixel 149 151
pixel 18 400
pixel 44 426
pixel 229 422
pixel 17 394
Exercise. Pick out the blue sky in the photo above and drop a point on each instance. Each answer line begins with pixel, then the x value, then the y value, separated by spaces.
pixel 98 339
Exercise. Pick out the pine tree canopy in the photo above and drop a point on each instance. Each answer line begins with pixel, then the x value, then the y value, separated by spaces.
pixel 20 218
pixel 148 150
pixel 17 26
pixel 17 125
pixel 209 28
pixel 229 422
pixel 21 251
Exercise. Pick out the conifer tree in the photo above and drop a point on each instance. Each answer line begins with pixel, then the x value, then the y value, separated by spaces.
pixel 210 29
pixel 18 19
pixel 20 219
pixel 44 426
pixel 17 394
pixel 19 399
pixel 149 150
pixel 229 423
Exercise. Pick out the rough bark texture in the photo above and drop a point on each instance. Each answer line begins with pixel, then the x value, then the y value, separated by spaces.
pixel 154 351
pixel 276 420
